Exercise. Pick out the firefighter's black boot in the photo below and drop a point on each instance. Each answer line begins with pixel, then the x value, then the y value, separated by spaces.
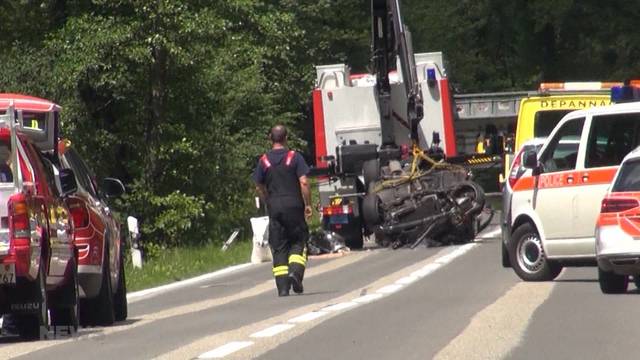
pixel 296 283
pixel 283 285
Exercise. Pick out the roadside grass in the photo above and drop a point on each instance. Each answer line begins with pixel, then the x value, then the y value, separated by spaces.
pixel 177 264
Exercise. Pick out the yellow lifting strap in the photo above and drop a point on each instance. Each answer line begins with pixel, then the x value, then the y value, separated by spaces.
pixel 281 270
pixel 298 259
pixel 418 155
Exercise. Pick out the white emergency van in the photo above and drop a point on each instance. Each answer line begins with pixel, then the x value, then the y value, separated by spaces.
pixel 555 204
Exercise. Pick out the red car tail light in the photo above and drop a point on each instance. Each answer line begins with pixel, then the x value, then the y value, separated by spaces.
pixel 613 205
pixel 19 228
pixel 337 210
pixel 79 213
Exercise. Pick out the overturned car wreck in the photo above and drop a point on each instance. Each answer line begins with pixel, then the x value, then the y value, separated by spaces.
pixel 436 206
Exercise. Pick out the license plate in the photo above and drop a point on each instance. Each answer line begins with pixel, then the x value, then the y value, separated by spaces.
pixel 339 219
pixel 7 274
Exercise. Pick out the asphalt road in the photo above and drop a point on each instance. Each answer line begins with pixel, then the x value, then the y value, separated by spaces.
pixel 446 303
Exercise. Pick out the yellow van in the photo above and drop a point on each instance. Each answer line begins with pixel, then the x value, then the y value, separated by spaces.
pixel 540 112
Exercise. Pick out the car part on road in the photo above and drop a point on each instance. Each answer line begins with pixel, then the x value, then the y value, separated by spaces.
pixel 528 258
pixel 326 242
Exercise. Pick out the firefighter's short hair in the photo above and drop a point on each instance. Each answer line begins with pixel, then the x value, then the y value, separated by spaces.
pixel 278 134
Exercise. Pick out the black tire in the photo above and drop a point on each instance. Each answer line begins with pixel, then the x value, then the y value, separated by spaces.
pixel 370 171
pixel 36 326
pixel 612 283
pixel 371 210
pixel 65 317
pixel 506 263
pixel 353 237
pixel 99 310
pixel 527 256
pixel 120 308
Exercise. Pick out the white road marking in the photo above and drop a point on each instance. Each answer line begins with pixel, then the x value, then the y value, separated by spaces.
pixel 367 298
pixel 500 327
pixel 135 296
pixel 308 316
pixel 271 331
pixel 339 306
pixel 407 280
pixel 389 289
pixel 226 349
pixel 329 310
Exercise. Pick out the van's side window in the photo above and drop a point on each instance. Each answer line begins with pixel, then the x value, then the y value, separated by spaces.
pixel 611 138
pixel 562 152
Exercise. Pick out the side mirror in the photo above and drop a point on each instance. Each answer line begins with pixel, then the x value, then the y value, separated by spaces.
pixel 65 181
pixel 530 159
pixel 112 187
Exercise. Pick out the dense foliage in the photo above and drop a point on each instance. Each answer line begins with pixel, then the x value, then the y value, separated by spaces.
pixel 175 97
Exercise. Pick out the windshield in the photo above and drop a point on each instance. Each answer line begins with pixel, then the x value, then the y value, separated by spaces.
pixel 6 175
pixel 546 120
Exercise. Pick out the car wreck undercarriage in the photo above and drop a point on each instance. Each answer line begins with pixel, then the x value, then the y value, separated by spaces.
pixel 435 204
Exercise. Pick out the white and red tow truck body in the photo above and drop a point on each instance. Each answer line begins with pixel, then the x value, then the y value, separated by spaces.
pixel 346 112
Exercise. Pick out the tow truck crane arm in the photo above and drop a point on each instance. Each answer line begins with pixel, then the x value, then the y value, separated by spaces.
pixel 391 39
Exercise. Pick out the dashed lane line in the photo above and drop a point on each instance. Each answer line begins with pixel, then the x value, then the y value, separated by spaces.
pixel 225 350
pixel 18 349
pixel 498 328
pixel 311 315
pixel 271 331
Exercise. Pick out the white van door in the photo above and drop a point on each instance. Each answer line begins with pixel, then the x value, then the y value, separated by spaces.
pixel 611 138
pixel 556 192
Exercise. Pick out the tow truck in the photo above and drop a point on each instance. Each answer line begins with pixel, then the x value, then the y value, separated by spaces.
pixel 377 172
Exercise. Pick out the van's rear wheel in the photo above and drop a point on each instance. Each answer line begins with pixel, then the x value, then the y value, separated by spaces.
pixel 527 256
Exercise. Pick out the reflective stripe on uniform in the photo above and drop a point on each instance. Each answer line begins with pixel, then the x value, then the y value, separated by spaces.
pixel 290 156
pixel 280 270
pixel 298 259
pixel 265 161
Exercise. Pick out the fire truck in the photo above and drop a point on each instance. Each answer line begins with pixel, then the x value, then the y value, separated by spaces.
pixel 382 169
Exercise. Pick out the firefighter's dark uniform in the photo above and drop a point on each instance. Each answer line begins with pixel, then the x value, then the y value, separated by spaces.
pixel 279 170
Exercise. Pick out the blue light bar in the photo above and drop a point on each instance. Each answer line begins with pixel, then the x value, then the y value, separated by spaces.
pixel 431 74
pixel 625 93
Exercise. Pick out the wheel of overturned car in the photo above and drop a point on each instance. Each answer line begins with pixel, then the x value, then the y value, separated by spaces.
pixel 469 191
pixel 612 283
pixel 371 210
pixel 370 171
pixel 528 258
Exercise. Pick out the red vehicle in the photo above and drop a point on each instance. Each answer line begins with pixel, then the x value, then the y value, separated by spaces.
pixel 38 263
pixel 99 241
